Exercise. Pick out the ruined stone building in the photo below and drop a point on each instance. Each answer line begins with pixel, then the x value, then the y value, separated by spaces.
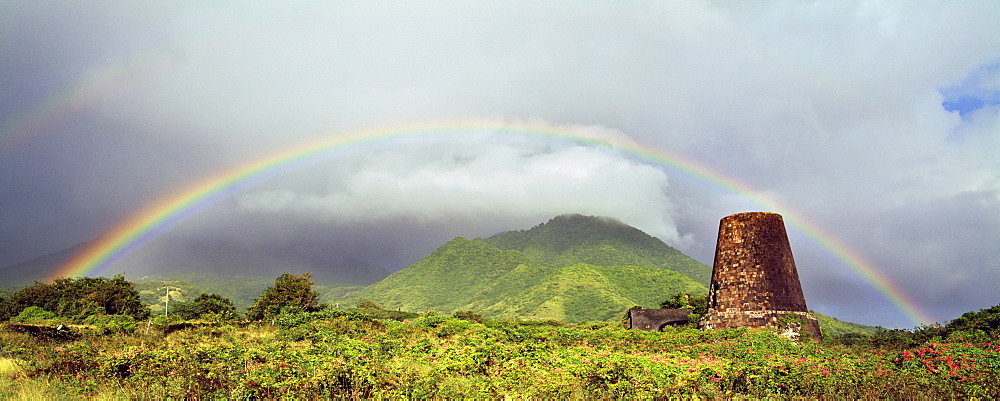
pixel 754 280
pixel 657 319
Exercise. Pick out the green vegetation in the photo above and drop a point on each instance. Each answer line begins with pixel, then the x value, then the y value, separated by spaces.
pixel 685 300
pixel 76 299
pixel 466 274
pixel 372 352
pixel 987 320
pixel 239 289
pixel 33 315
pixel 154 293
pixel 207 306
pixel 835 327
pixel 289 293
pixel 570 239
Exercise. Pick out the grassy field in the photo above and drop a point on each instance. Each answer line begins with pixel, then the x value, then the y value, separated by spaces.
pixel 376 353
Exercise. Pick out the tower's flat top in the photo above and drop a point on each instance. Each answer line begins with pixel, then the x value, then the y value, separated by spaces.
pixel 752 214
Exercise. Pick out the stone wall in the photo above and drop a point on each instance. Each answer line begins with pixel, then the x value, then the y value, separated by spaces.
pixel 656 319
pixel 754 279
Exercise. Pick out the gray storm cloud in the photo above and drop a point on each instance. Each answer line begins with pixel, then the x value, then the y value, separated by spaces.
pixel 878 122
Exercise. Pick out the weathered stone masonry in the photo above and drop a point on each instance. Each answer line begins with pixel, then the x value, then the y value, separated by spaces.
pixel 754 280
pixel 656 319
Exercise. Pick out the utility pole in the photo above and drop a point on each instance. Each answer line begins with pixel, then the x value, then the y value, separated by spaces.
pixel 166 303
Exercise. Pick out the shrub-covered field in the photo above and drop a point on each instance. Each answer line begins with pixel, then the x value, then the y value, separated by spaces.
pixel 368 352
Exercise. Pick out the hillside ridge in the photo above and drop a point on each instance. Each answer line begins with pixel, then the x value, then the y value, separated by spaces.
pixel 571 268
pixel 604 241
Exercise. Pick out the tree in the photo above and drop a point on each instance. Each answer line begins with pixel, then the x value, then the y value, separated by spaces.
pixel 205 304
pixel 37 294
pixel 289 291
pixel 987 320
pixel 78 298
pixel 684 300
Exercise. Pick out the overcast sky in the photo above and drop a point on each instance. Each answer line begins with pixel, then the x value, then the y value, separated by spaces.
pixel 878 122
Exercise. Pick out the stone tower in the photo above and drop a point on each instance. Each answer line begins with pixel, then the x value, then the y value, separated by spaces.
pixel 754 281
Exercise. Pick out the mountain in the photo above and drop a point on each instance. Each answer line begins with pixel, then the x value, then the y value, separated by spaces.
pixel 448 278
pixel 572 238
pixel 571 268
pixel 582 292
pixel 38 269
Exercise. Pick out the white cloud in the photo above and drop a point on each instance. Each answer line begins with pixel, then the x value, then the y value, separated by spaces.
pixel 477 180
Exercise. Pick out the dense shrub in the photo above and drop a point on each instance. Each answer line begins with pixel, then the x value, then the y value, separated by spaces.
pixel 77 298
pixel 288 291
pixel 33 314
pixel 207 306
pixel 348 353
pixel 109 324
pixel 985 320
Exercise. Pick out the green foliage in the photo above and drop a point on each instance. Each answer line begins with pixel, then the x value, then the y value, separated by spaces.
pixel 986 320
pixel 368 304
pixel 468 274
pixel 976 327
pixel 334 295
pixel 684 300
pixel 571 239
pixel 468 315
pixel 833 327
pixel 345 353
pixel 206 306
pixel 289 291
pixel 153 293
pixel 110 324
pixel 446 278
pixel 33 314
pixel 78 298
pixel 240 289
pixel 583 292
pixel 39 294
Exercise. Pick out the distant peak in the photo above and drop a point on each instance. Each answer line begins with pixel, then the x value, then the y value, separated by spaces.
pixel 580 217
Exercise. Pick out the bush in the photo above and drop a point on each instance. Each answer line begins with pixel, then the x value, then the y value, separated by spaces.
pixel 33 315
pixel 289 290
pixel 469 315
pixel 211 307
pixel 78 298
pixel 110 324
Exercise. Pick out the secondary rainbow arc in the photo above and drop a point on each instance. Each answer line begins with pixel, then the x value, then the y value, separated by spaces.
pixel 156 217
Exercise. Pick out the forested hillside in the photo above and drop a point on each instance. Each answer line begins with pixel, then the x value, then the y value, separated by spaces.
pixel 466 274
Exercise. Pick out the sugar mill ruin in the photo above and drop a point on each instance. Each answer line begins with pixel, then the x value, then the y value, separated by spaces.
pixel 754 282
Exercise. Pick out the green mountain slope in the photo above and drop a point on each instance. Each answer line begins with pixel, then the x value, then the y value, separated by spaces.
pixel 570 239
pixel 582 292
pixel 835 327
pixel 447 278
pixel 466 274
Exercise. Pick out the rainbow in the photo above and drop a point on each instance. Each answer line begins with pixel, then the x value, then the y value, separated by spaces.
pixel 156 217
